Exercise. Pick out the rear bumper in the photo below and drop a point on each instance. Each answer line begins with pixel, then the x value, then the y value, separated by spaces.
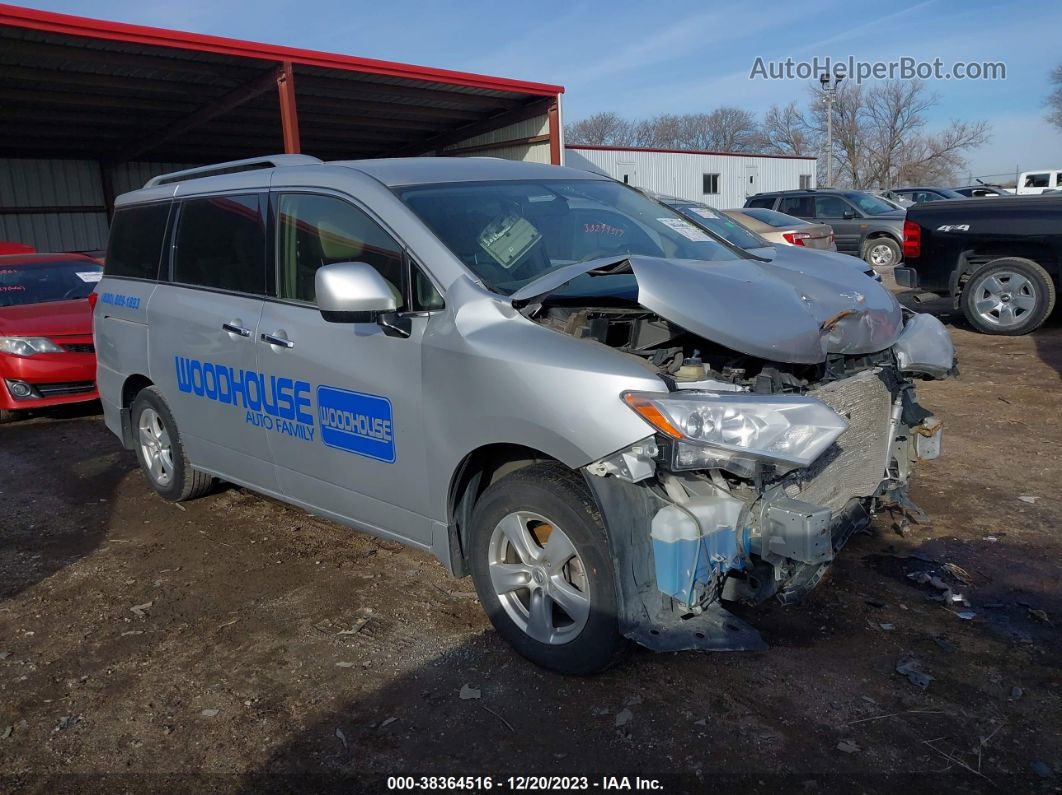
pixel 53 380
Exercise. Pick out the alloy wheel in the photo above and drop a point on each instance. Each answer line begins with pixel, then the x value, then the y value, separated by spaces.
pixel 539 578
pixel 155 446
pixel 1004 299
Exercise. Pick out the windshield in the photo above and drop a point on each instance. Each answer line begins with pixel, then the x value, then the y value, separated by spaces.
pixel 727 228
pixel 773 218
pixel 511 233
pixel 41 282
pixel 871 205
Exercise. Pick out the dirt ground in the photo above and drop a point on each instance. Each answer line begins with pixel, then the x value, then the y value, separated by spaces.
pixel 223 645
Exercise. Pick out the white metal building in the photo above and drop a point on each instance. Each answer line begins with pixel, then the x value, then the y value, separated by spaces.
pixel 719 179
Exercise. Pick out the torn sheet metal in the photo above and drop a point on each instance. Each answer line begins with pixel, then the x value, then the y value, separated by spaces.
pixel 775 312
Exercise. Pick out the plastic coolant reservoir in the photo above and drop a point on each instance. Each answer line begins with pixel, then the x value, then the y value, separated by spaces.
pixel 693 541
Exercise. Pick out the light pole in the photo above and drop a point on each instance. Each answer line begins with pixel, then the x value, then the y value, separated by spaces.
pixel 829 94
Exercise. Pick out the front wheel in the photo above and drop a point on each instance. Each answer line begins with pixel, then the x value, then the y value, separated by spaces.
pixel 541 565
pixel 160 452
pixel 881 252
pixel 1008 296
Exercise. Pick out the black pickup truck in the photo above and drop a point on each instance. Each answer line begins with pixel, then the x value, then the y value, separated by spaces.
pixel 999 259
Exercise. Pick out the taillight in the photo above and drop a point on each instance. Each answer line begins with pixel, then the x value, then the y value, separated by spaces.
pixel 93 298
pixel 796 238
pixel 912 239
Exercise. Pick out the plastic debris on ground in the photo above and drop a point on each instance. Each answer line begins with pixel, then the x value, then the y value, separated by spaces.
pixel 469 692
pixel 912 669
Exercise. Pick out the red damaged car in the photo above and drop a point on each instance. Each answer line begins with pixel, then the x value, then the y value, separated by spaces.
pixel 46 353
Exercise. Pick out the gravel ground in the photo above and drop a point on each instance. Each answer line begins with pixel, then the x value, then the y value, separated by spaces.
pixel 237 644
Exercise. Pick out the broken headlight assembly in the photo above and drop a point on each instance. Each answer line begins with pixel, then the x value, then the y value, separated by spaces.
pixel 736 432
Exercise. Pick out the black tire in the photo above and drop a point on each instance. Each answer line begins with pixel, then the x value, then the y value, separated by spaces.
pixel 7 415
pixel 185 482
pixel 877 242
pixel 1039 287
pixel 552 490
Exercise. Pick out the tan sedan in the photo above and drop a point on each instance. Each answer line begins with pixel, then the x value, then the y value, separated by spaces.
pixel 783 229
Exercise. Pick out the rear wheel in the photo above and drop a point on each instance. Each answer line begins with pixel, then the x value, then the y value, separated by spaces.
pixel 1008 296
pixel 881 252
pixel 160 452
pixel 541 564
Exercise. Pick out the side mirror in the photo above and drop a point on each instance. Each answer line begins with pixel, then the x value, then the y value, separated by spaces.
pixel 347 290
pixel 848 215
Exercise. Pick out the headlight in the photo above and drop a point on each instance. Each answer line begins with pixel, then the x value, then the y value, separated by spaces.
pixel 27 346
pixel 782 429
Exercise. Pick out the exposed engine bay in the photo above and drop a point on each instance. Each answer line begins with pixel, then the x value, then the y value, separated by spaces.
pixel 728 525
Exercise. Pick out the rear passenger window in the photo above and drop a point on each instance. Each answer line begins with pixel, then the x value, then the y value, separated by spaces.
pixel 221 243
pixel 320 230
pixel 766 202
pixel 135 244
pixel 800 206
pixel 830 207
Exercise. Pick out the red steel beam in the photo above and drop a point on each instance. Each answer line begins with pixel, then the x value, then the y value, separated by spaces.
pixel 289 114
pixel 49 21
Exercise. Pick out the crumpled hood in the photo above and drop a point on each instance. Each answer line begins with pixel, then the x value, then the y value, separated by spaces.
pixel 779 312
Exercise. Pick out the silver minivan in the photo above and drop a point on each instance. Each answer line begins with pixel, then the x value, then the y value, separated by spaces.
pixel 614 422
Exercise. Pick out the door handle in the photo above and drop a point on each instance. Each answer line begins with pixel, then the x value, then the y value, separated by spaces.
pixel 235 328
pixel 273 339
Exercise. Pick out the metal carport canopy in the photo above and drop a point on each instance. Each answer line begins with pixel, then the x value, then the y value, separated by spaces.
pixel 72 87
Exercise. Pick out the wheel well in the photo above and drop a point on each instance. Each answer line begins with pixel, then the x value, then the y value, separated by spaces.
pixel 130 389
pixel 881 233
pixel 972 259
pixel 479 469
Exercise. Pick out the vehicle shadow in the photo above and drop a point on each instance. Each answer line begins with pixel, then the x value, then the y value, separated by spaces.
pixel 689 719
pixel 55 462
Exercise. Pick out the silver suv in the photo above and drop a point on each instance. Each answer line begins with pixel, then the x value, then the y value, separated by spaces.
pixel 613 421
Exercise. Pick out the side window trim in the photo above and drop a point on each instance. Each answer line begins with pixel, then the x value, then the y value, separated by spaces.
pixel 174 225
pixel 159 264
pixel 409 262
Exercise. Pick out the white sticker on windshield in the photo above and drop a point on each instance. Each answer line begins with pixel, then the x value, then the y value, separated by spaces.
pixel 90 276
pixel 704 212
pixel 684 228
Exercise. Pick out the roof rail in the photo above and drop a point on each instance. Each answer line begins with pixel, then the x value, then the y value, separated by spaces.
pixel 250 164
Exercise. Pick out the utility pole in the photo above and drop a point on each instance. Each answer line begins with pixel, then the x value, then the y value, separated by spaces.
pixel 829 95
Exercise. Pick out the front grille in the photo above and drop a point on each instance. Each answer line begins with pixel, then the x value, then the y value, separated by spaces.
pixel 63 388
pixel 854 465
pixel 79 347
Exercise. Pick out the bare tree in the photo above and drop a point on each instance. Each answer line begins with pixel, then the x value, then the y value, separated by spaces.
pixel 725 129
pixel 601 129
pixel 785 131
pixel 880 133
pixel 1054 99
pixel 880 137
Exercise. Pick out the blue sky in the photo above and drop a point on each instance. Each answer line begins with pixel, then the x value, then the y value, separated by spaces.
pixel 643 58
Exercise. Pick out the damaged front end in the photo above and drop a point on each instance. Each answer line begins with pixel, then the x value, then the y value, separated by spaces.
pixel 766 453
